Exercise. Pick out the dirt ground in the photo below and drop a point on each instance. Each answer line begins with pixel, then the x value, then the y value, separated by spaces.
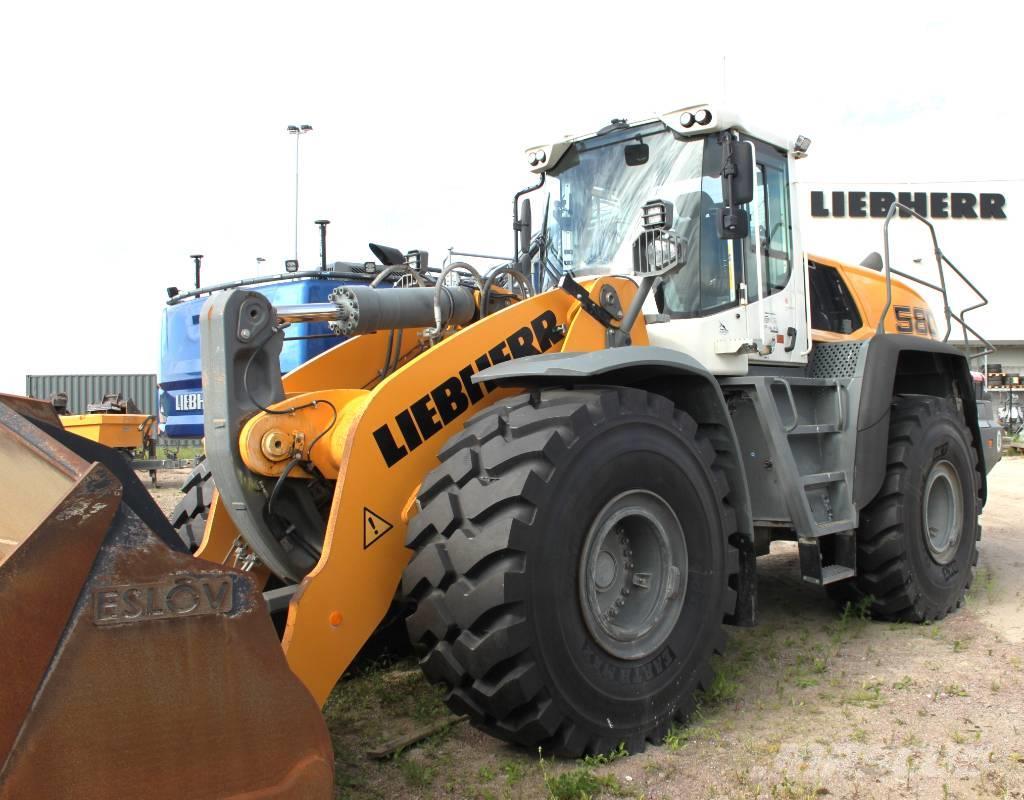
pixel 811 703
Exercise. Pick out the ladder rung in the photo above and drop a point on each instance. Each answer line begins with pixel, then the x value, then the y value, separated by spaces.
pixel 818 478
pixel 831 574
pixel 804 430
pixel 834 526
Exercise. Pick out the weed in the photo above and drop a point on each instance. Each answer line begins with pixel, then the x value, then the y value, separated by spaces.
pixel 984 585
pixel 600 759
pixel 415 772
pixel 724 686
pixel 903 683
pixel 788 789
pixel 851 621
pixel 955 690
pixel 486 774
pixel 959 645
pixel 514 771
pixel 577 784
pixel 869 695
pixel 859 735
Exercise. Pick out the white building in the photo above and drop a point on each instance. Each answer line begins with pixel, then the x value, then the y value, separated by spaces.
pixel 978 227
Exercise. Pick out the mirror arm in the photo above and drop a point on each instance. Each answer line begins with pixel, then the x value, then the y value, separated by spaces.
pixel 515 212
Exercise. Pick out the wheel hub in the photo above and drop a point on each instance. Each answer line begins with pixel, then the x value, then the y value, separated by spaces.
pixel 942 512
pixel 632 574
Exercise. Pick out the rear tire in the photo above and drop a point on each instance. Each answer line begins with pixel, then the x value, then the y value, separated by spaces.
pixel 546 511
pixel 917 540
pixel 189 516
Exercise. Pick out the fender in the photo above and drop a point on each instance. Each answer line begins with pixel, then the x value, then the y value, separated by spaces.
pixel 901 364
pixel 683 380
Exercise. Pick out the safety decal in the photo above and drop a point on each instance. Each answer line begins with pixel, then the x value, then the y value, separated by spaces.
pixel 374 527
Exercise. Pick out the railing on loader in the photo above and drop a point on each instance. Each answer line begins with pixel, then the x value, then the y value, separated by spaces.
pixel 941 261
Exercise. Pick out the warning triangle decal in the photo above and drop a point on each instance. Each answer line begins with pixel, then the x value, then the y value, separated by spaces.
pixel 374 526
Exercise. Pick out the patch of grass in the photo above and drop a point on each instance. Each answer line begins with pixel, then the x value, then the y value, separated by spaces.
pixel 407 694
pixel 983 586
pixel 415 772
pixel 581 783
pixel 514 771
pixel 789 789
pixel 959 645
pixel 905 682
pixel 725 684
pixel 859 735
pixel 679 736
pixel 485 774
pixel 869 695
pixel 955 690
pixel 600 759
pixel 851 622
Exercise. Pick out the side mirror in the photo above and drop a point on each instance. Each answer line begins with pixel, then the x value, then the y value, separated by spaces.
pixel 525 226
pixel 743 180
pixel 732 221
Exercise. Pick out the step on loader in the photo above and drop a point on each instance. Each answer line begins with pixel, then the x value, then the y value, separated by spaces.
pixel 564 469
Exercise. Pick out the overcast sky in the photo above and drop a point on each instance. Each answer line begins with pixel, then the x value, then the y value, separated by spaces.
pixel 134 134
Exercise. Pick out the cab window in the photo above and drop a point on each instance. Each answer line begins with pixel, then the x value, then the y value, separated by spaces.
pixel 832 306
pixel 771 226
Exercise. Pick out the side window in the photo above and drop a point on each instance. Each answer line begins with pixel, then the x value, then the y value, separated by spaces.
pixel 776 232
pixel 832 305
pixel 771 228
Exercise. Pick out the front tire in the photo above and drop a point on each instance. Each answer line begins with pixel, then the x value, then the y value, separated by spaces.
pixel 571 569
pixel 917 541
pixel 189 515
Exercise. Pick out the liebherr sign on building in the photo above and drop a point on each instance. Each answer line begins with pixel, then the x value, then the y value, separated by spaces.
pixel 974 222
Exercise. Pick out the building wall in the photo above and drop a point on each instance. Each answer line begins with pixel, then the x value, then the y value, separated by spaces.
pixel 84 389
pixel 977 223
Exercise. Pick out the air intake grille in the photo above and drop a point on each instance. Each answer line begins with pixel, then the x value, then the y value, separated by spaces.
pixel 835 360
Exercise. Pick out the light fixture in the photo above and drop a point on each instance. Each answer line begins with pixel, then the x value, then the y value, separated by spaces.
pixel 801 146
pixel 656 214
pixel 686 119
pixel 291 265
pixel 702 116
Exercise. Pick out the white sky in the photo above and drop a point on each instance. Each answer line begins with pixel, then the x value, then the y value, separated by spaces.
pixel 134 134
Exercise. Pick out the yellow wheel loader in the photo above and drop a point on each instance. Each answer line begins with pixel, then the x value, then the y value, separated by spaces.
pixel 565 467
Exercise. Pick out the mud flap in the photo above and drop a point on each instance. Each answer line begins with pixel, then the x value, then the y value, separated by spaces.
pixel 132 670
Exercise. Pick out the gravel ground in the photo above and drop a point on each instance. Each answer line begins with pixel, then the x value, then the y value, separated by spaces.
pixel 809 704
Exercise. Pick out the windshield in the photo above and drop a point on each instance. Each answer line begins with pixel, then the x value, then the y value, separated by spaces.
pixel 594 208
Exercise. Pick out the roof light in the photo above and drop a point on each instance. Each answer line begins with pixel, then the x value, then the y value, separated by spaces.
pixel 702 116
pixel 686 119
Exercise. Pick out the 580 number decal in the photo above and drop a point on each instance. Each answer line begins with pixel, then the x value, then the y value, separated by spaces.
pixel 913 319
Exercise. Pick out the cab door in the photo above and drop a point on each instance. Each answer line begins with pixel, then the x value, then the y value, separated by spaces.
pixel 775 277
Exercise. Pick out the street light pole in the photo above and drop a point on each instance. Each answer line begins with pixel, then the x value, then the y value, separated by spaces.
pixel 297 130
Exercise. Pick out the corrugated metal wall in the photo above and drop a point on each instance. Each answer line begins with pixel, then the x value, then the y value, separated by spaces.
pixel 85 389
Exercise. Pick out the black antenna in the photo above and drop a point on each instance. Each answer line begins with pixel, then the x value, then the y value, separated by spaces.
pixel 199 266
pixel 323 223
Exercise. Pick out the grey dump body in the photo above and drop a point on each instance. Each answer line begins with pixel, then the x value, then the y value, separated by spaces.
pixel 811 441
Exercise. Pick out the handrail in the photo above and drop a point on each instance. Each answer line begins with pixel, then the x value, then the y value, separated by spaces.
pixel 352 270
pixel 940 260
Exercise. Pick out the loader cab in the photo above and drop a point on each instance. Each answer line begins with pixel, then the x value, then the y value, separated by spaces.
pixel 735 301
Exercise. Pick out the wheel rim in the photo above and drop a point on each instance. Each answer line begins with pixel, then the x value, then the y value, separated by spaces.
pixel 942 507
pixel 632 574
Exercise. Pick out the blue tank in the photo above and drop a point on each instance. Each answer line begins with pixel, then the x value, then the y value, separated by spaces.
pixel 180 382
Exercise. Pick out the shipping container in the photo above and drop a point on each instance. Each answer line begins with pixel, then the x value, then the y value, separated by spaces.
pixel 84 389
